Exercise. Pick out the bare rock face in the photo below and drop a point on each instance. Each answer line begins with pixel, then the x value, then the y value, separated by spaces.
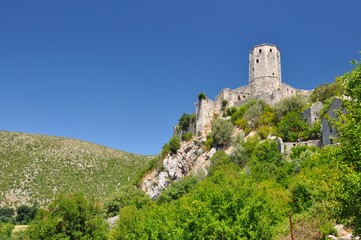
pixel 190 158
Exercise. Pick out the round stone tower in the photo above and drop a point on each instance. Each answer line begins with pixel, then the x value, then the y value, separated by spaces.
pixel 264 69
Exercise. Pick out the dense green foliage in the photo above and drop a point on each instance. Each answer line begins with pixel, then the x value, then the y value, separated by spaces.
pixel 69 216
pixel 292 128
pixel 225 205
pixel 38 167
pixel 5 230
pixel 326 91
pixel 349 127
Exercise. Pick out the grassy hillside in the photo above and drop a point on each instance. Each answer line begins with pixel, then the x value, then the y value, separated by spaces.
pixel 36 167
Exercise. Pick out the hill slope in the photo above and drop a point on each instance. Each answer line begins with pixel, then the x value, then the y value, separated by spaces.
pixel 36 167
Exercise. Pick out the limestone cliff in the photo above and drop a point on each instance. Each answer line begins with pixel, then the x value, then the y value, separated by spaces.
pixel 190 158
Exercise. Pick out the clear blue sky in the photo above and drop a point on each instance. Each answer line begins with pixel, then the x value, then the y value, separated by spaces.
pixel 121 73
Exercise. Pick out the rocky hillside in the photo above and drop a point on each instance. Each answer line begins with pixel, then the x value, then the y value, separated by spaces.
pixel 190 158
pixel 37 167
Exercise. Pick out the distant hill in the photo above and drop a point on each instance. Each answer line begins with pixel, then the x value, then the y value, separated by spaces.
pixel 37 167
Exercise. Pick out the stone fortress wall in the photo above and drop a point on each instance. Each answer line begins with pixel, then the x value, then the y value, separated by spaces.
pixel 265 83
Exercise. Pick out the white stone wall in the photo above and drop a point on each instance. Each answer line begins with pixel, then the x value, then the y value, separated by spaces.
pixel 232 96
pixel 205 110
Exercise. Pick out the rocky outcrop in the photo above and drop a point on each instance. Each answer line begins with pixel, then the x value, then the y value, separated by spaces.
pixel 342 234
pixel 190 158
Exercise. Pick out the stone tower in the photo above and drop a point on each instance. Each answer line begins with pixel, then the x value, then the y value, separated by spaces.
pixel 264 69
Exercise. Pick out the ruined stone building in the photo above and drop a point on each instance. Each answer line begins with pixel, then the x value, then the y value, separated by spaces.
pixel 264 82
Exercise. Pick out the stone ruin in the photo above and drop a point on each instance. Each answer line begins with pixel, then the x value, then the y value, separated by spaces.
pixel 264 82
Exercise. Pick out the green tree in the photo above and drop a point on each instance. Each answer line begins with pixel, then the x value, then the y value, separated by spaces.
pixel 287 105
pixel 292 127
pixel 222 133
pixel 326 91
pixel 6 215
pixel 126 196
pixel 265 160
pixel 25 214
pixel 69 216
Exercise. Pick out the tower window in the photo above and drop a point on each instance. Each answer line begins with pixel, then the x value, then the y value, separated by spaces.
pixel 260 50
pixel 273 74
pixel 270 50
pixel 253 69
pixel 257 61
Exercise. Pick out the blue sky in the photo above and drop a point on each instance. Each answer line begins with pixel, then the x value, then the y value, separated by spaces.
pixel 120 73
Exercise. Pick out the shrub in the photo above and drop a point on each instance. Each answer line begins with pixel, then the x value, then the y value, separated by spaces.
pixel 165 150
pixel 301 198
pixel 239 155
pixel 254 112
pixel 154 163
pixel 6 230
pixel 222 133
pixel 126 196
pixel 251 144
pixel 174 144
pixel 292 127
pixel 325 91
pixel 177 189
pixel 298 150
pixel 187 136
pixel 208 143
pixel 25 214
pixel 219 159
pixel 6 215
pixel 186 120
pixel 7 212
pixel 224 104
pixel 265 160
pixel 264 131
pixel 287 105
pixel 201 96
pixel 314 131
